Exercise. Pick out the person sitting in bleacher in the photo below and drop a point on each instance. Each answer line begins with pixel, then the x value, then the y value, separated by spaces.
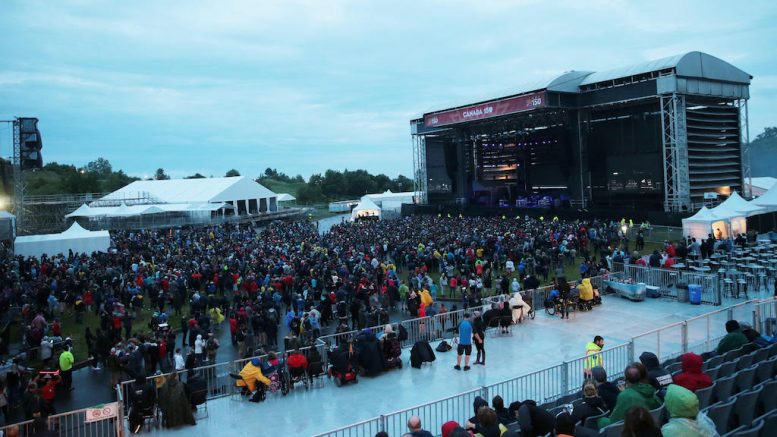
pixel 692 378
pixel 754 336
pixel 592 404
pixel 638 392
pixel 533 420
pixel 502 413
pixel 684 416
pixel 733 340
pixel 489 424
pixel 607 390
pixel 658 376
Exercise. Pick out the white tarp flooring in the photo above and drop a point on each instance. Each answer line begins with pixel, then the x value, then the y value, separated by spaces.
pixel 534 345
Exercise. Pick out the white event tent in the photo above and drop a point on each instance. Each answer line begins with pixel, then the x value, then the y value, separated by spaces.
pixel 192 200
pixel 704 222
pixel 75 238
pixel 365 208
pixel 736 210
pixel 767 201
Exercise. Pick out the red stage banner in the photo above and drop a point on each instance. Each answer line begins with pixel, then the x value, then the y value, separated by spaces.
pixel 487 110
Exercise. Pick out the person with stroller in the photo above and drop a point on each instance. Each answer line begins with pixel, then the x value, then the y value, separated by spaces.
pixel 253 380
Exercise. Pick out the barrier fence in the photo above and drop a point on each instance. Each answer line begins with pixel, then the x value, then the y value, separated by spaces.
pixel 104 420
pixel 667 280
pixel 698 334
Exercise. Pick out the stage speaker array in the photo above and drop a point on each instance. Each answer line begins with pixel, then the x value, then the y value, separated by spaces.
pixel 31 144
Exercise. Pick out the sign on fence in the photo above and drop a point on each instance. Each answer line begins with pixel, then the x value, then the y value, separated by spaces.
pixel 102 412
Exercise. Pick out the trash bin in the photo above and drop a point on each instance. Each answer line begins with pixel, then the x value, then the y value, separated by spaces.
pixel 682 292
pixel 694 294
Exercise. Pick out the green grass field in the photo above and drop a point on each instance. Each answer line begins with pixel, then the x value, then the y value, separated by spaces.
pixel 279 187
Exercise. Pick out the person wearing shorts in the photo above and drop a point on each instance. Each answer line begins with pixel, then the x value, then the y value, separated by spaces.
pixel 465 343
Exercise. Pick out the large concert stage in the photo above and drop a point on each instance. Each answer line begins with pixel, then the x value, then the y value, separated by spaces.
pixel 655 136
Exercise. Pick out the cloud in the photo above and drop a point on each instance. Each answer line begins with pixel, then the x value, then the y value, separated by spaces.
pixel 305 85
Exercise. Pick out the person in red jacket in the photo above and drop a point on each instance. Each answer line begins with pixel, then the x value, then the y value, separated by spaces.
pixel 692 377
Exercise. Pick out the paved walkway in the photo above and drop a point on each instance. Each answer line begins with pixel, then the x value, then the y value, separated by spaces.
pixel 534 345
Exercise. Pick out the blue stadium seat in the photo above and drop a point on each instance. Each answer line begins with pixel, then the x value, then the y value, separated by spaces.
pixel 705 395
pixel 765 371
pixel 761 355
pixel 724 388
pixel 744 361
pixel 745 379
pixel 726 369
pixel 713 362
pixel 612 430
pixel 769 424
pixel 720 413
pixel 746 431
pixel 591 422
pixel 746 407
pixel 768 400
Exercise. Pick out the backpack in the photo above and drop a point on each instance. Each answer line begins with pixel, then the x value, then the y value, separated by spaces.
pixel 211 345
pixel 443 347
pixel 402 333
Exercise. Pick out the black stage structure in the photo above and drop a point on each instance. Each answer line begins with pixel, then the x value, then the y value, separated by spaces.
pixel 655 136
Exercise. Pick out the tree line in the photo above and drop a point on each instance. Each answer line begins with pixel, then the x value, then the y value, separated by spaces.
pixel 98 176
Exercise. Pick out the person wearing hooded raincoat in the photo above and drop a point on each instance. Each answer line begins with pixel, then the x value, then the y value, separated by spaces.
pixel 519 307
pixel 691 376
pixel 426 298
pixel 685 419
pixel 174 403
pixel 586 290
pixel 251 374
pixel 216 316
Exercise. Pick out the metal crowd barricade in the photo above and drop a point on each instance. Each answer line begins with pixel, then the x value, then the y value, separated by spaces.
pixel 106 420
pixel 540 385
pixel 432 414
pixel 216 376
pixel 668 279
pixel 368 427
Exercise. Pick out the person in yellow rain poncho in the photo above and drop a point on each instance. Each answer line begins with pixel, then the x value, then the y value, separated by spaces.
pixel 251 374
pixel 426 298
pixel 216 317
pixel 586 291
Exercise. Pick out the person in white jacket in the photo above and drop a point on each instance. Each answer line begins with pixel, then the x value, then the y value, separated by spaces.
pixel 519 307
pixel 199 349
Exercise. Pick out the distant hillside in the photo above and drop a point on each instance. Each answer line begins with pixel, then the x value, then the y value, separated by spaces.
pixel 280 187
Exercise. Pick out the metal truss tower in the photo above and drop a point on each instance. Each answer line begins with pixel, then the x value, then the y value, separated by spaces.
pixel 674 139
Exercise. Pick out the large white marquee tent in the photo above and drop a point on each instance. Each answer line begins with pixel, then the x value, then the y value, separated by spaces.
pixel 177 201
pixel 75 238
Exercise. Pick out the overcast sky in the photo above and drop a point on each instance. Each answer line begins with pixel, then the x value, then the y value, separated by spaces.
pixel 303 86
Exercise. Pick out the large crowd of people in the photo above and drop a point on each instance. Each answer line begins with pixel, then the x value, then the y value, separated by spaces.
pixel 283 277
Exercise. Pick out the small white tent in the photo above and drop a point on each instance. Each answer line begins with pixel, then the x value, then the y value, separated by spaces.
pixel 767 201
pixel 735 209
pixel 365 208
pixel 286 197
pixel 83 211
pixel 76 238
pixel 735 205
pixel 705 222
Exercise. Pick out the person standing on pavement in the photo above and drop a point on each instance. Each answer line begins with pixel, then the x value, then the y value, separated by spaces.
pixel 465 343
pixel 593 356
pixel 66 361
pixel 479 338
